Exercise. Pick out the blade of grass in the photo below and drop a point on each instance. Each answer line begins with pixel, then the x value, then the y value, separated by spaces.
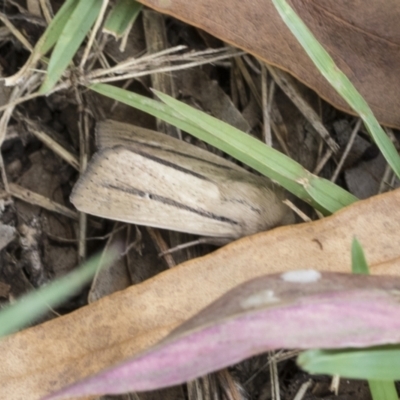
pixel 339 81
pixel 358 261
pixel 243 147
pixel 121 17
pixel 36 303
pixel 46 41
pixel 53 31
pixel 382 390
pixel 380 363
pixel 71 37
pixel 257 155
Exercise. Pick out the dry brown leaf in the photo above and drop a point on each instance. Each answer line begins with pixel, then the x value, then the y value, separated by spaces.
pixel 361 36
pixel 46 357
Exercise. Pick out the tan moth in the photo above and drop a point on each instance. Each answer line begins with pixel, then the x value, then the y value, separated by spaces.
pixel 147 178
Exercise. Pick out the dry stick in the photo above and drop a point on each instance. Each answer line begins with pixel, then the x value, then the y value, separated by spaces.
pixel 273 370
pixel 290 88
pixel 204 388
pixel 242 95
pixel 3 174
pixel 247 77
pixel 334 387
pixel 277 131
pixel 95 29
pixel 20 100
pixel 131 64
pixel 125 37
pixel 297 210
pixel 46 10
pixel 171 68
pixel 98 54
pixel 251 64
pixel 233 87
pixel 249 81
pixel 346 150
pixel 161 245
pixel 158 59
pixel 133 245
pixel 229 386
pixel 286 355
pixel 38 200
pixel 65 240
pixel 83 161
pixel 384 184
pixel 265 106
pixel 36 130
pixel 15 93
pixel 323 161
pixel 156 40
pixel 303 390
pixel 16 32
pixel 280 356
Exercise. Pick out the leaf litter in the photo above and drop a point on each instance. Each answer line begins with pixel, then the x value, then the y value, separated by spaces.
pixel 45 246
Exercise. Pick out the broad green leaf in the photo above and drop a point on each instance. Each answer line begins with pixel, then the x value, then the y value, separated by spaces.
pixel 243 147
pixel 339 81
pixel 73 33
pixel 121 17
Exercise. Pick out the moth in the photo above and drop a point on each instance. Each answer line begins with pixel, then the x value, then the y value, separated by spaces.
pixel 148 178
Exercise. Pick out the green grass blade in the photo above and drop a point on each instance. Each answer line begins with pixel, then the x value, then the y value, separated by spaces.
pixel 45 42
pixel 36 303
pixel 121 17
pixel 76 28
pixel 339 81
pixel 382 390
pixel 264 159
pixel 380 363
pixel 358 261
pixel 53 31
pixel 243 147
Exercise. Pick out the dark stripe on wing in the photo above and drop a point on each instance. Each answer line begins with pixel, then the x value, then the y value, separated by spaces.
pixel 173 203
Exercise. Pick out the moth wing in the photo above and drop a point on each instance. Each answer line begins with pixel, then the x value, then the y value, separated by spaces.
pixel 124 185
pixel 110 133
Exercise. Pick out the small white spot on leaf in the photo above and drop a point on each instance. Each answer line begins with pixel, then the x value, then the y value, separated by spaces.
pixel 259 299
pixel 302 276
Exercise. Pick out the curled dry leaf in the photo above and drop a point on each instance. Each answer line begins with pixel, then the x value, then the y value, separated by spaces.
pixel 297 309
pixel 45 358
pixel 362 37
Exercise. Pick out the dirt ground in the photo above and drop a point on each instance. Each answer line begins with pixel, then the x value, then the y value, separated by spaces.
pixel 46 245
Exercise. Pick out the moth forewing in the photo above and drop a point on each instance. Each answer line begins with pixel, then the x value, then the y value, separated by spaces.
pixel 143 177
pixel 111 133
pixel 126 186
